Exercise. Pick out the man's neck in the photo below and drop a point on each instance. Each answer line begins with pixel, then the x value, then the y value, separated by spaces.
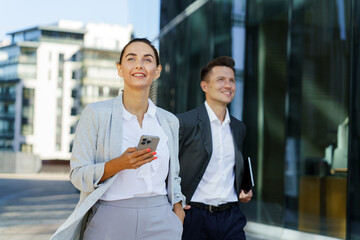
pixel 218 109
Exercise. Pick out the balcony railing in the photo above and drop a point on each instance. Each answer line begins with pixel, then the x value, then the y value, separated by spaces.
pixel 19 59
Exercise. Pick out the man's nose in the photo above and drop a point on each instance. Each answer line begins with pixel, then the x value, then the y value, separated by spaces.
pixel 228 84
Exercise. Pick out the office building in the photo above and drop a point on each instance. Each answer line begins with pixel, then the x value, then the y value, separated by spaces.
pixel 47 75
pixel 297 92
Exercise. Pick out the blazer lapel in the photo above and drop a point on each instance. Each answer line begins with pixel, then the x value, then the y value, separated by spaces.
pixel 116 128
pixel 205 129
pixel 166 128
pixel 239 161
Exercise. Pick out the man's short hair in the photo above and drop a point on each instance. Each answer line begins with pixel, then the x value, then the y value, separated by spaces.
pixel 219 61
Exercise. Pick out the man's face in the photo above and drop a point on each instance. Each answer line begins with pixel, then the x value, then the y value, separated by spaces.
pixel 219 85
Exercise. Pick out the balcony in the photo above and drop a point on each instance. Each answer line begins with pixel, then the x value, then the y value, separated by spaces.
pixel 7 134
pixel 10 97
pixel 7 115
pixel 19 59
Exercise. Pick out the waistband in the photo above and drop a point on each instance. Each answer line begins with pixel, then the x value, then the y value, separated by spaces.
pixel 214 209
pixel 138 202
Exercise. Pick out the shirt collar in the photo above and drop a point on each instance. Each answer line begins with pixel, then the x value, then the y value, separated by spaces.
pixel 151 111
pixel 213 117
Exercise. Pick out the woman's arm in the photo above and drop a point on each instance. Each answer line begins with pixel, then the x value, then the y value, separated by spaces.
pixel 130 159
pixel 85 172
pixel 179 197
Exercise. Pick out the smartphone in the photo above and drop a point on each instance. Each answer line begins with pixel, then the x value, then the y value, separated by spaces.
pixel 148 141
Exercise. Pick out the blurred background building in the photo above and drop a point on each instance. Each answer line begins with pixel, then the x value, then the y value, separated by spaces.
pixel 47 75
pixel 298 93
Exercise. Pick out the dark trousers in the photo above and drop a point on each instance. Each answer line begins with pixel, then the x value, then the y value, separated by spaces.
pixel 200 224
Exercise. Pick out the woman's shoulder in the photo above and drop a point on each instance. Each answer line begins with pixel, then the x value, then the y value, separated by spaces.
pixel 166 114
pixel 101 107
pixel 102 104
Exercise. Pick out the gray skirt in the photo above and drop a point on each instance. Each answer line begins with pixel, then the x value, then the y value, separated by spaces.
pixel 144 218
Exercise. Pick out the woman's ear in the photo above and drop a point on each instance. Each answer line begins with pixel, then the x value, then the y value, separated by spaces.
pixel 120 72
pixel 158 71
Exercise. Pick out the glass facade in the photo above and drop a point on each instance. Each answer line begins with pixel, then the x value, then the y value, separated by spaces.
pixel 27 118
pixel 186 48
pixel 7 114
pixel 19 62
pixel 298 85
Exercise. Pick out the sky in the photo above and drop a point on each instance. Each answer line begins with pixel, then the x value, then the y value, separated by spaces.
pixel 144 15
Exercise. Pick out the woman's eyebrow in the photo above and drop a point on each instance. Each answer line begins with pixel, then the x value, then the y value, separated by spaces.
pixel 130 54
pixel 133 54
pixel 149 55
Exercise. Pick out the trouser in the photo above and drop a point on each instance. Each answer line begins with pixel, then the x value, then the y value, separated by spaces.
pixel 146 218
pixel 201 224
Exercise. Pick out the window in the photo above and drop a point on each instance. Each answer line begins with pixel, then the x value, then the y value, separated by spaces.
pixel 27 114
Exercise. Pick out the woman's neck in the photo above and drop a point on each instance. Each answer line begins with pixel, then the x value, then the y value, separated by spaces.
pixel 136 103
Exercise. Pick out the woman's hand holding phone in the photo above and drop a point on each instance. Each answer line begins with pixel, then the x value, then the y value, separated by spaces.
pixel 133 158
pixel 130 159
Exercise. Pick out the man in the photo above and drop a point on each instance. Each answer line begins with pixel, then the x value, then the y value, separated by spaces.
pixel 214 174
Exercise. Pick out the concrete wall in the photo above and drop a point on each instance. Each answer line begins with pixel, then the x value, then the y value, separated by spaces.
pixel 18 162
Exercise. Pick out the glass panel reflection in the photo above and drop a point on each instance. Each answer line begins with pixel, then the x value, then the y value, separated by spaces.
pixel 300 63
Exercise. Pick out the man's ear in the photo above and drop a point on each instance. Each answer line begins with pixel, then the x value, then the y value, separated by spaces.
pixel 203 85
pixel 158 71
pixel 119 69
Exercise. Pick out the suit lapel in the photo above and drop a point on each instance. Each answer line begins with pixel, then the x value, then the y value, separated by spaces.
pixel 116 128
pixel 239 161
pixel 205 129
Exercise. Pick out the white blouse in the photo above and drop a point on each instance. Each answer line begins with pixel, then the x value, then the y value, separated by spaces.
pixel 149 179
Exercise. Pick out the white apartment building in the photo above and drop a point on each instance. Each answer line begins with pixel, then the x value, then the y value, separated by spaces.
pixel 47 75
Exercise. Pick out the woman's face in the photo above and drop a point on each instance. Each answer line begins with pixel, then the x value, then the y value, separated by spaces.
pixel 138 66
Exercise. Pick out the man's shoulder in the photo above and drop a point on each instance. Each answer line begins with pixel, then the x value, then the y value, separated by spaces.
pixel 191 114
pixel 236 122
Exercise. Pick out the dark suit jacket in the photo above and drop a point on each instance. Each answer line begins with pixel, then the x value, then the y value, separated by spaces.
pixel 195 149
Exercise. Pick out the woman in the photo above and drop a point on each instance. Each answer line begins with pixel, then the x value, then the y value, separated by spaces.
pixel 127 192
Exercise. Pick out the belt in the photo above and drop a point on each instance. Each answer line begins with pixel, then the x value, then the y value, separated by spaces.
pixel 212 208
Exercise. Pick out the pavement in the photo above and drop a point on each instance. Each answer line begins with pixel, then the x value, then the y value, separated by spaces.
pixel 33 206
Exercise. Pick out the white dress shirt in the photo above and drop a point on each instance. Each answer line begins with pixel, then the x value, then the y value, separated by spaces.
pixel 149 179
pixel 217 184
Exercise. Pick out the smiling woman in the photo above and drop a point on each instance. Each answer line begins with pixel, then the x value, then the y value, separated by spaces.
pixel 125 192
pixel 139 65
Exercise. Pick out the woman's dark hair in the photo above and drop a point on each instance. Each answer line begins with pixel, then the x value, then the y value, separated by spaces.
pixel 220 61
pixel 144 40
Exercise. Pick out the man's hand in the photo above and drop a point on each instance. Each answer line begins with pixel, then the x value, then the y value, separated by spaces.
pixel 245 197
pixel 179 211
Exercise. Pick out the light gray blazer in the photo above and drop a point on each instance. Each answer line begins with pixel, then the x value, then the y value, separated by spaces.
pixel 98 139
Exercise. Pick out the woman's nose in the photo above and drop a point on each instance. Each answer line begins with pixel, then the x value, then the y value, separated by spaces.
pixel 139 64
